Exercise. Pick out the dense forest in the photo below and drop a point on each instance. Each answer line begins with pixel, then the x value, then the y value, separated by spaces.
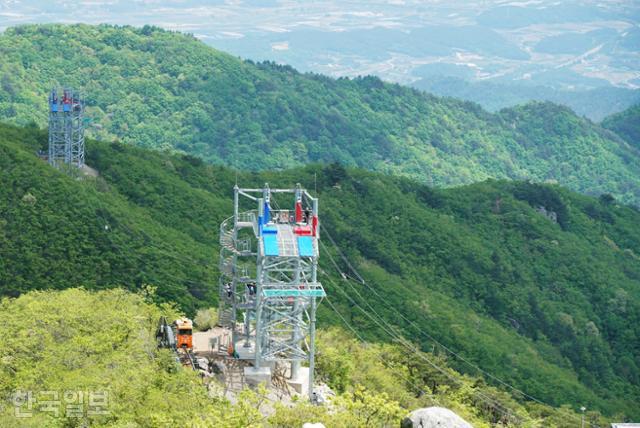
pixel 89 350
pixel 626 124
pixel 535 284
pixel 169 91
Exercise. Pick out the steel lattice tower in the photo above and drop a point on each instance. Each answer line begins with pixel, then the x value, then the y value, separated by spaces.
pixel 268 284
pixel 66 128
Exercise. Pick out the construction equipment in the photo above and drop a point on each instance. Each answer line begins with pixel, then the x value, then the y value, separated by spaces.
pixel 165 335
pixel 179 338
pixel 184 335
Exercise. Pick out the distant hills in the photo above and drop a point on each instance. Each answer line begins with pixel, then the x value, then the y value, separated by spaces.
pixel 536 284
pixel 594 103
pixel 626 124
pixel 582 54
pixel 169 91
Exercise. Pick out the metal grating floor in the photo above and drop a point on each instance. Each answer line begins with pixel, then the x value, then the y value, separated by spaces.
pixel 287 242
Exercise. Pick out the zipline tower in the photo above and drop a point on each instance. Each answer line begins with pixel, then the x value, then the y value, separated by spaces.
pixel 66 128
pixel 269 289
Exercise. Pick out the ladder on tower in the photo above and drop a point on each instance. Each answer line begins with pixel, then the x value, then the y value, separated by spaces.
pixel 225 317
pixel 227 241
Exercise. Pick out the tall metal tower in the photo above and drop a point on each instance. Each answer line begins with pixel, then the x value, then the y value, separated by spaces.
pixel 269 288
pixel 66 128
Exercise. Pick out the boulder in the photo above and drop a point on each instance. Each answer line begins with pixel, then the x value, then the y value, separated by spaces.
pixel 434 417
pixel 310 425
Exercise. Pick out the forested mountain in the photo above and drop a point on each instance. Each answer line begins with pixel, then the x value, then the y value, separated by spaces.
pixel 578 53
pixel 626 124
pixel 595 103
pixel 166 90
pixel 537 285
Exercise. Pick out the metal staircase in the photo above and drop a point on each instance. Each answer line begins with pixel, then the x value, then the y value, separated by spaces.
pixel 230 249
pixel 225 317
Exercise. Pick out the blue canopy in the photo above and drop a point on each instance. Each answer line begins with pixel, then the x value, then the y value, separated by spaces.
pixel 305 246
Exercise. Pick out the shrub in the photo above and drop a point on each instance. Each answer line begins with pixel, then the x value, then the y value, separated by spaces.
pixel 206 318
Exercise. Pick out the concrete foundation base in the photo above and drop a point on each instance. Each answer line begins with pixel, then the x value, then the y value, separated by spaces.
pixel 254 376
pixel 301 383
pixel 245 352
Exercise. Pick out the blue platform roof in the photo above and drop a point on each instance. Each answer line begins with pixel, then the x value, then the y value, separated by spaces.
pixel 269 229
pixel 305 246
pixel 270 244
pixel 294 293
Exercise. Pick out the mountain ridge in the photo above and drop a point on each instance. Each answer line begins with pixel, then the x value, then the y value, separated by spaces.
pixel 518 277
pixel 595 103
pixel 626 124
pixel 168 91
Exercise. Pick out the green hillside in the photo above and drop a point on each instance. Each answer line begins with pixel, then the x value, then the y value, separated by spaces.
pixel 166 90
pixel 626 124
pixel 55 231
pixel 73 342
pixel 547 302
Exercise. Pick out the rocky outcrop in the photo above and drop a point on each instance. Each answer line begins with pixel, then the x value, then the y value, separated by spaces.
pixel 434 417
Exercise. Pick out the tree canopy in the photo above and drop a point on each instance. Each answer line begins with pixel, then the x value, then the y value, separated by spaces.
pixel 626 124
pixel 533 283
pixel 169 91
pixel 80 358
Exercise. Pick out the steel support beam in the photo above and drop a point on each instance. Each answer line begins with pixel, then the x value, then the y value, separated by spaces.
pixel 278 304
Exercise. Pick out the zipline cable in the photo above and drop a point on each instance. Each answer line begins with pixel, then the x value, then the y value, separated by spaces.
pixel 99 209
pixel 488 400
pixel 390 330
pixel 431 396
pixel 361 281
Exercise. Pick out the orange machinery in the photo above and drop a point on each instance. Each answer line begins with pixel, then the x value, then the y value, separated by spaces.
pixel 184 333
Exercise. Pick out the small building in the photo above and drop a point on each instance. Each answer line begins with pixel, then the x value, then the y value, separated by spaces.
pixel 625 425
